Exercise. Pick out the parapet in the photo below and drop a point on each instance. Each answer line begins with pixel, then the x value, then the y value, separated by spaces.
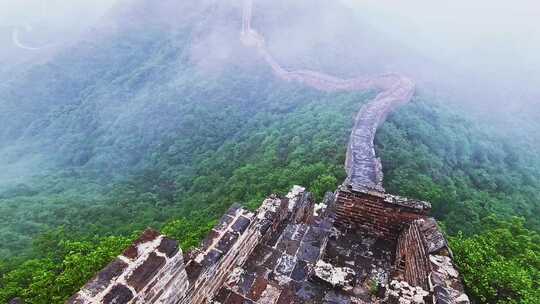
pixel 292 250
pixel 376 212
pixel 151 270
pixel 423 260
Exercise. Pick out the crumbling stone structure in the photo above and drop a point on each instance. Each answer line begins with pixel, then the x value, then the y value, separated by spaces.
pixel 292 250
pixel 151 270
pixel 380 214
pixel 360 245
pixel 422 261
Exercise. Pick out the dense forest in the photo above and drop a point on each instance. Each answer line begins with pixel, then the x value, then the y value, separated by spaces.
pixel 302 142
pixel 466 169
pixel 126 131
pixel 483 184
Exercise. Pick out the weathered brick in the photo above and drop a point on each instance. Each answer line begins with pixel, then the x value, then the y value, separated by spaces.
pixel 119 294
pixel 168 247
pixel 147 236
pixel 146 271
pixel 105 277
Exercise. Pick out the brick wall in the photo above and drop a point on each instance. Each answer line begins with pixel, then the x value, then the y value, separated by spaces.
pixel 412 260
pixel 149 271
pixel 380 214
pixel 153 269
pixel 228 246
pixel 424 259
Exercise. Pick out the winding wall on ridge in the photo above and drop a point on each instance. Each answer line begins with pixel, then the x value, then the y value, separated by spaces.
pixel 293 251
pixel 362 165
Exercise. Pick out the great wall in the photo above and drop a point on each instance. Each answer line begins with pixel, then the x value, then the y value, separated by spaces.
pixel 362 166
pixel 359 245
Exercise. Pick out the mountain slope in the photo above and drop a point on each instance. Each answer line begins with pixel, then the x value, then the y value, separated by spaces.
pixel 166 124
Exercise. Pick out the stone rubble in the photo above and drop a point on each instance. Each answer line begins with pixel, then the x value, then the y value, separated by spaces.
pixel 336 276
pixel 403 293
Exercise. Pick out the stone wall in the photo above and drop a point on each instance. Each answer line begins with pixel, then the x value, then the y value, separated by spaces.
pixel 290 250
pixel 424 259
pixel 412 261
pixel 153 269
pixel 149 271
pixel 378 213
pixel 229 245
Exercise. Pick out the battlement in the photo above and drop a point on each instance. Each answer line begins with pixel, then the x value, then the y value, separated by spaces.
pixel 293 251
pixel 151 270
pixel 376 212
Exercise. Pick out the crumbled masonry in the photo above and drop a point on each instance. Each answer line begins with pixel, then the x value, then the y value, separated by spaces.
pixel 363 248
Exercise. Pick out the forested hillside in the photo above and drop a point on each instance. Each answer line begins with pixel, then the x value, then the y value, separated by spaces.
pixel 468 170
pixel 144 127
pixel 483 183
pixel 148 139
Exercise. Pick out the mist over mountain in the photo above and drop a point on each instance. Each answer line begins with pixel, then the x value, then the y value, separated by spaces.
pixel 125 45
pixel 116 115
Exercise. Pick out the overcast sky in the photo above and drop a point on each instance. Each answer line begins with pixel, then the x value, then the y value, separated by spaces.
pixel 493 45
pixel 458 27
pixel 500 38
pixel 69 12
pixel 31 27
pixel 444 27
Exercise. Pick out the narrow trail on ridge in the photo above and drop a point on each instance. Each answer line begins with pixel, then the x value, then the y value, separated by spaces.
pixel 362 165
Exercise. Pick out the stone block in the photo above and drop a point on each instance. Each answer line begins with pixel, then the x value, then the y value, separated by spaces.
pixel 168 246
pixel 147 236
pixel 211 258
pixel 119 294
pixel 105 277
pixel 240 225
pixel 227 241
pixel 142 275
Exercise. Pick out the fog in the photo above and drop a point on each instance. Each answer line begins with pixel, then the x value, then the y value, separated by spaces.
pixel 29 26
pixel 482 55
pixel 493 45
pixel 478 42
pixel 485 54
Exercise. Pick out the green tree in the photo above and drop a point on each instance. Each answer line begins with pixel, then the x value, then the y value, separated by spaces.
pixel 52 279
pixel 188 232
pixel 501 264
pixel 323 184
